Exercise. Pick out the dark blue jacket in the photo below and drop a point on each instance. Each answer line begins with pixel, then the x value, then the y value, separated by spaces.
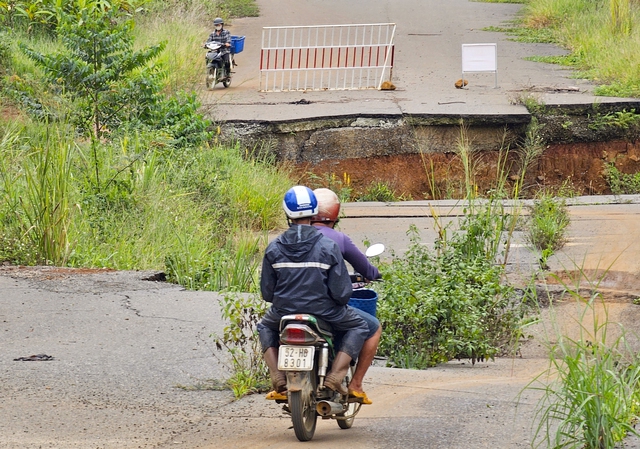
pixel 304 272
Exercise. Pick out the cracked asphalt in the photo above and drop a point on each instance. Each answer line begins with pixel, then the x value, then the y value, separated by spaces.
pixel 121 347
pixel 132 360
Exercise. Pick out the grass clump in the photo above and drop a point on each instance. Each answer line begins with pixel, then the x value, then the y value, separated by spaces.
pixel 591 390
pixel 236 8
pixel 547 224
pixel 380 191
pixel 600 36
pixel 622 183
pixel 627 120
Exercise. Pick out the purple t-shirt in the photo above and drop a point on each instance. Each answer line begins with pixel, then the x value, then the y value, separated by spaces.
pixel 351 253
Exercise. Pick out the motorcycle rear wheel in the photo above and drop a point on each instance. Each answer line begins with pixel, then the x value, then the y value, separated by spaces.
pixel 303 410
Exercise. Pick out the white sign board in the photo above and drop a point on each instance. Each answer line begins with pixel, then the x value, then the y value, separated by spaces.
pixel 480 58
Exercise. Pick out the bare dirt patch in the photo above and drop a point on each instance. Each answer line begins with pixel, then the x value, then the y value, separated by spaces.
pixel 578 167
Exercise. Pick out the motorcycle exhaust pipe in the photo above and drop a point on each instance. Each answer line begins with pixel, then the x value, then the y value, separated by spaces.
pixel 328 408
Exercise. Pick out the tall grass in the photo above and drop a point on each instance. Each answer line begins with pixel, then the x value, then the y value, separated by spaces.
pixel 37 194
pixel 201 211
pixel 547 225
pixel 621 20
pixel 603 37
pixel 591 390
pixel 45 204
pixel 234 267
pixel 183 57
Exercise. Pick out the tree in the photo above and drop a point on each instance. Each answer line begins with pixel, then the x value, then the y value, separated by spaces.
pixel 108 82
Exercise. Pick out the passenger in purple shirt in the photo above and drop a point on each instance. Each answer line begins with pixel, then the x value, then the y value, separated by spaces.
pixel 350 251
pixel 328 211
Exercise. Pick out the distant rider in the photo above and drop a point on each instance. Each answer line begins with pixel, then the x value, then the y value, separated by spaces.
pixel 325 221
pixel 304 272
pixel 223 37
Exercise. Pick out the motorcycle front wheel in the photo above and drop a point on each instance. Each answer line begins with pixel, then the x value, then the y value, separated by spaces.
pixel 303 411
pixel 210 82
pixel 226 82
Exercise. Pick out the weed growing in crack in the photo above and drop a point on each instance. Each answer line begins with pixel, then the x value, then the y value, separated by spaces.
pixel 591 389
pixel 240 340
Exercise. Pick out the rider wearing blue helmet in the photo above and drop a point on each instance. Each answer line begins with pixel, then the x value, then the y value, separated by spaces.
pixel 304 272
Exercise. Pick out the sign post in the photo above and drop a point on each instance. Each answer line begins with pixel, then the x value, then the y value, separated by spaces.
pixel 480 58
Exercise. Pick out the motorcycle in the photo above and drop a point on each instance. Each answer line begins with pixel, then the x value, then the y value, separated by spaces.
pixel 307 349
pixel 216 70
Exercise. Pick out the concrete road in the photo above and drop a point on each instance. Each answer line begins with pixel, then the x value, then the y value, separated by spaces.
pixel 428 61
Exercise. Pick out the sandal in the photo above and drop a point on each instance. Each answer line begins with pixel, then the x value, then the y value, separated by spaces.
pixel 276 396
pixel 361 397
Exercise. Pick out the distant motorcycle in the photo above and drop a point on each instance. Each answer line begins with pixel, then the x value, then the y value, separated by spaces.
pixel 216 70
pixel 307 349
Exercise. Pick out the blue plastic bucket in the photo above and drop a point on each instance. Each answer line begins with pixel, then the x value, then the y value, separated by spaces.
pixel 237 44
pixel 365 300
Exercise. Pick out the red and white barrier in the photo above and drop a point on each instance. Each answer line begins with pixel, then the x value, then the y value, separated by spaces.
pixel 326 57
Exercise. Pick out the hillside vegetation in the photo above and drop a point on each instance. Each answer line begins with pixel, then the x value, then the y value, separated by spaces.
pixel 106 159
pixel 602 36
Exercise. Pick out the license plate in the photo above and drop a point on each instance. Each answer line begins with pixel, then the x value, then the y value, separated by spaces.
pixel 295 358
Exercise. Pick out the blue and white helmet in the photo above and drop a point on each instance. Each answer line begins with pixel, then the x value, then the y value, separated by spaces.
pixel 300 202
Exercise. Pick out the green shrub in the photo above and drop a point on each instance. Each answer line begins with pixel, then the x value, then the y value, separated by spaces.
pixel 622 183
pixel 440 305
pixel 547 224
pixel 240 340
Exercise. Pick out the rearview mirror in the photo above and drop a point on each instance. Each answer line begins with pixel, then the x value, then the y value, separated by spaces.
pixel 374 250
